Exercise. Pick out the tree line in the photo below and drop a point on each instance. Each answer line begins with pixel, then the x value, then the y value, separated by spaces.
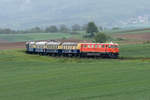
pixel 92 31
pixel 49 29
pixel 74 29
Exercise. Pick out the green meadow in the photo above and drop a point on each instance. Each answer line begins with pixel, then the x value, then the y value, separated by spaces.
pixel 36 36
pixel 33 77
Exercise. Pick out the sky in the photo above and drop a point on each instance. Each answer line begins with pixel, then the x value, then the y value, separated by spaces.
pixel 28 13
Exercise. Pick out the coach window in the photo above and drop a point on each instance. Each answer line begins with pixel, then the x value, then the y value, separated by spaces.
pixel 89 46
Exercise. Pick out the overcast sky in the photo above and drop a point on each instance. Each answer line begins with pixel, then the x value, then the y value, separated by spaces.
pixel 26 11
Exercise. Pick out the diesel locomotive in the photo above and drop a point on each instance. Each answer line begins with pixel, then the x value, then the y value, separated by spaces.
pixel 56 48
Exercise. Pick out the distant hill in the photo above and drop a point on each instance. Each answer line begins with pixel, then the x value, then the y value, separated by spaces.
pixel 21 14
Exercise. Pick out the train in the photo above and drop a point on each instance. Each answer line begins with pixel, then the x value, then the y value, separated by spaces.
pixel 73 49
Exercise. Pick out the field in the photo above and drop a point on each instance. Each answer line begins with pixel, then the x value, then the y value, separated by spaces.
pixel 33 77
pixel 35 36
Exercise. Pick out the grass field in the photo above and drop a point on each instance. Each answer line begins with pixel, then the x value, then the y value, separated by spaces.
pixel 49 36
pixel 128 31
pixel 36 36
pixel 33 77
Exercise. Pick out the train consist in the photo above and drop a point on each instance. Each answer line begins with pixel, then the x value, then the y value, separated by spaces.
pixel 54 48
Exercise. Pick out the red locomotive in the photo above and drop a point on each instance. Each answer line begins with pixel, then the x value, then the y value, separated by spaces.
pixel 100 49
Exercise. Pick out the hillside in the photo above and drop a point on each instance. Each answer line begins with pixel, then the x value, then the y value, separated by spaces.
pixel 20 14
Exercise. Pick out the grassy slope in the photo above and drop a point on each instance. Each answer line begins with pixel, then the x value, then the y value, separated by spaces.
pixel 129 31
pixel 32 77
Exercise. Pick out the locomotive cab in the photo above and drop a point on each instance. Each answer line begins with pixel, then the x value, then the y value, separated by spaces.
pixel 114 50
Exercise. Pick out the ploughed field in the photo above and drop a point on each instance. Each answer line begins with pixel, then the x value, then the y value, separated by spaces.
pixel 33 77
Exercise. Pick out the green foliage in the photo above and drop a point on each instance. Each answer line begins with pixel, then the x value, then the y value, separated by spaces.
pixel 64 29
pixel 92 28
pixel 32 77
pixel 84 27
pixel 101 28
pixel 51 29
pixel 34 30
pixel 76 27
pixel 7 31
pixel 101 37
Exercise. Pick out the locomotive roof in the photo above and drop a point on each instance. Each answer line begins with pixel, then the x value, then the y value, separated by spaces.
pixel 101 43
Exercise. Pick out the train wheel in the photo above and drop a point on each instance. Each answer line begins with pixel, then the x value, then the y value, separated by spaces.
pixel 114 56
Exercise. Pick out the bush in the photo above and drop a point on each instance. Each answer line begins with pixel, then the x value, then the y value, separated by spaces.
pixel 101 37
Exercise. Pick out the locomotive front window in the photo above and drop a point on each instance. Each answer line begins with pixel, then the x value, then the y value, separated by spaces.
pixel 95 46
pixel 100 46
pixel 103 46
pixel 84 46
pixel 92 46
pixel 114 46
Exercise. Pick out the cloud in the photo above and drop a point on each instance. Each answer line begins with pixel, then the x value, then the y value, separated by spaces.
pixel 26 4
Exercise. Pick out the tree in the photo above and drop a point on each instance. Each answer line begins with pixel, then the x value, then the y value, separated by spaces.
pixel 101 28
pixel 76 27
pixel 92 28
pixel 35 30
pixel 51 29
pixel 7 31
pixel 64 29
pixel 101 37
pixel 84 27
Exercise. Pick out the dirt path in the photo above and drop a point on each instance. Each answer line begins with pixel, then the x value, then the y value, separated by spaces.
pixel 141 36
pixel 16 45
